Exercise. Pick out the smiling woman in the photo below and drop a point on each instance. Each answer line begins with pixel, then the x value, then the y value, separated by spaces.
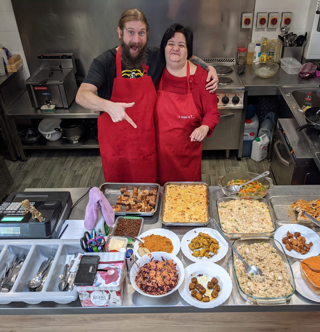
pixel 185 113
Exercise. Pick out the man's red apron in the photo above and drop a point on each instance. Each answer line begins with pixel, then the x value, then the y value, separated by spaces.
pixel 176 117
pixel 129 154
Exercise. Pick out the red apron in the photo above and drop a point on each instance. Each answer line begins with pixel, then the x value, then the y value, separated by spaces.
pixel 176 117
pixel 129 154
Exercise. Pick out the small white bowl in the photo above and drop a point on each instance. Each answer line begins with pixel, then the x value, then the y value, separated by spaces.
pixel 163 232
pixel 156 256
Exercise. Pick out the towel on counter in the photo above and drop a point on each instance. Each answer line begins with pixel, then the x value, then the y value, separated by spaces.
pixel 97 200
pixel 307 70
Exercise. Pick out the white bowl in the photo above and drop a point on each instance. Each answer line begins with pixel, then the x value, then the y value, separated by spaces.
pixel 156 256
pixel 186 240
pixel 163 232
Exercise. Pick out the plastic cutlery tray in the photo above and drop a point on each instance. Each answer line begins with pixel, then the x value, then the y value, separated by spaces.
pixel 36 252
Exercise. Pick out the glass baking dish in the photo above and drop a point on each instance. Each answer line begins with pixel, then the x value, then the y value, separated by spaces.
pixel 234 236
pixel 285 260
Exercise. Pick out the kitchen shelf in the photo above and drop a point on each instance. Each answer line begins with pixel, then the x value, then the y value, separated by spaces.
pixel 22 109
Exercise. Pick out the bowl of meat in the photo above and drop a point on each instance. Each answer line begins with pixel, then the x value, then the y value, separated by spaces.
pixel 158 274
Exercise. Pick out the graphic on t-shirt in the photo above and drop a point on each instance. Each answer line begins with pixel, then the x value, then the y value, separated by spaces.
pixel 134 73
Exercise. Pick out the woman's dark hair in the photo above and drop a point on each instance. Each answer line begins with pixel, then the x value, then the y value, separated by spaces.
pixel 176 27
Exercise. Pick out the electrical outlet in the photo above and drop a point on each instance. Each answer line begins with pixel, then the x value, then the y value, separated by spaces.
pixel 273 20
pixel 286 19
pixel 262 20
pixel 246 22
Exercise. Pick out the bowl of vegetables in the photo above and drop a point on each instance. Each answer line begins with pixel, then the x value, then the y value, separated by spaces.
pixel 253 190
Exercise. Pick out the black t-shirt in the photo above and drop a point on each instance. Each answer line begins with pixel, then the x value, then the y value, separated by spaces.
pixel 103 70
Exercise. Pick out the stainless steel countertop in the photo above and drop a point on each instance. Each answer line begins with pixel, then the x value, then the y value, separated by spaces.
pixel 23 107
pixel 257 86
pixel 137 303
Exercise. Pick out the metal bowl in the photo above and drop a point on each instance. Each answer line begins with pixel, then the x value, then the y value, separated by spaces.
pixel 265 70
pixel 223 181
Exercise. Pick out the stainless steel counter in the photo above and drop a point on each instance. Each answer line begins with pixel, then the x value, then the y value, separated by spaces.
pixel 137 303
pixel 256 86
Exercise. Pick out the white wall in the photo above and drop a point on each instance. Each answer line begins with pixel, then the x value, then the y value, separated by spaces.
pixel 312 50
pixel 9 35
pixel 299 9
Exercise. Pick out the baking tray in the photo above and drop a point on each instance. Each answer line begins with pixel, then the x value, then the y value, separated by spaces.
pixel 112 191
pixel 36 252
pixel 234 236
pixel 284 214
pixel 127 217
pixel 184 223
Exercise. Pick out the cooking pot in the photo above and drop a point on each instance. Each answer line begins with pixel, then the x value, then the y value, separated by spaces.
pixel 312 116
pixel 29 136
pixel 72 130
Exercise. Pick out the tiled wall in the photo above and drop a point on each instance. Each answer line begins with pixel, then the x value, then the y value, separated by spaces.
pixel 299 9
pixel 9 35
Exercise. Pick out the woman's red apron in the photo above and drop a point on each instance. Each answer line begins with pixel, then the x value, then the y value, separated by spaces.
pixel 176 117
pixel 129 154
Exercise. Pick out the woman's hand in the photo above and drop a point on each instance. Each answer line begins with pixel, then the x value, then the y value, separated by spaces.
pixel 199 133
pixel 212 79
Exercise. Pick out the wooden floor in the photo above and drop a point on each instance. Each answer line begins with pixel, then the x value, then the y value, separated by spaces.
pixel 83 168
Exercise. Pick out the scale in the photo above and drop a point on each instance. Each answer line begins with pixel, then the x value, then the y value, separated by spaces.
pixel 55 207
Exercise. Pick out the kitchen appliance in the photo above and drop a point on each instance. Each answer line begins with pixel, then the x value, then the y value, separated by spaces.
pixel 55 207
pixel 292 161
pixel 228 134
pixel 54 81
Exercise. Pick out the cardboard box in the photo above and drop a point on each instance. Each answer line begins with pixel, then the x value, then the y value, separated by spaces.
pixel 108 287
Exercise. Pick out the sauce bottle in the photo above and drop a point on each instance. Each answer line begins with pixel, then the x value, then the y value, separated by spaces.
pixel 250 53
pixel 264 52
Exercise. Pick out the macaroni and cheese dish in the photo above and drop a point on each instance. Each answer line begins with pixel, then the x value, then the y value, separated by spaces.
pixel 276 280
pixel 185 203
pixel 245 216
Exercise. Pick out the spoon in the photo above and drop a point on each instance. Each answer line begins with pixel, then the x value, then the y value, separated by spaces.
pixel 38 279
pixel 314 220
pixel 63 285
pixel 234 189
pixel 250 269
pixel 311 268
pixel 134 238
pixel 134 261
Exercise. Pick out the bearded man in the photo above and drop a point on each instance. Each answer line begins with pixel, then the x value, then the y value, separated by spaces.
pixel 120 85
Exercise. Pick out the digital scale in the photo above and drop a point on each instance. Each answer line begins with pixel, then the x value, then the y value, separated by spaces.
pixel 54 207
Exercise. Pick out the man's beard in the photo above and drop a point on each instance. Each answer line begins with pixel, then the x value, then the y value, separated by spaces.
pixel 130 62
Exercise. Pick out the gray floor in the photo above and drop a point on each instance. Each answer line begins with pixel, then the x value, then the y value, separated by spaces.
pixel 82 168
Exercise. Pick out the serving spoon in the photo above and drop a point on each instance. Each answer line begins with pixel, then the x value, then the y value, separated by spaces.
pixel 250 269
pixel 134 238
pixel 234 189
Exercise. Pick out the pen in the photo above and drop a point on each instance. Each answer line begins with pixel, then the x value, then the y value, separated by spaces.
pixel 63 231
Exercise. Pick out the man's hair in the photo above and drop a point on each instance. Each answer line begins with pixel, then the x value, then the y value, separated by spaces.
pixel 132 15
pixel 186 31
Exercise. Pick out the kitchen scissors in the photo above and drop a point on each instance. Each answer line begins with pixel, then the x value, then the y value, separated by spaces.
pixel 84 242
pixel 97 243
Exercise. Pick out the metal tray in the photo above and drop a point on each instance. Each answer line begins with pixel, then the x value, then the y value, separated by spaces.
pixel 127 217
pixel 184 223
pixel 239 235
pixel 281 206
pixel 112 191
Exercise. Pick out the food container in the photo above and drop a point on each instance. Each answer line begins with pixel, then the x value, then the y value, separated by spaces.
pixel 290 65
pixel 128 217
pixel 47 128
pixel 156 256
pixel 223 180
pixel 112 191
pixel 184 223
pixel 265 70
pixel 264 300
pixel 108 289
pixel 240 235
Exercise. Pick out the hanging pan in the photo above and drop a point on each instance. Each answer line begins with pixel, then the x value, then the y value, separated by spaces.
pixel 312 116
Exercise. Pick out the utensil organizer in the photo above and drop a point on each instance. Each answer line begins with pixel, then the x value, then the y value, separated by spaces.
pixel 36 252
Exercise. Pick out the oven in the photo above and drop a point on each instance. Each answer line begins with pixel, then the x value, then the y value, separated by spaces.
pixel 228 134
pixel 292 162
